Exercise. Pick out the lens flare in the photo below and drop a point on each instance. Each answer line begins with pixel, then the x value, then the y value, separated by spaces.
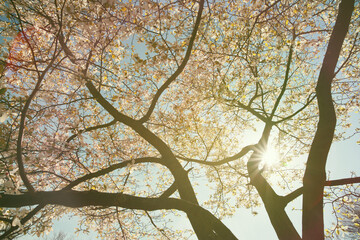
pixel 270 156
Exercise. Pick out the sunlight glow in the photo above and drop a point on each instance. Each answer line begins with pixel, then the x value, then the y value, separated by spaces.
pixel 270 156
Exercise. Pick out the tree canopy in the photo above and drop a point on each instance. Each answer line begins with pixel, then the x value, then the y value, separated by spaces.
pixel 123 111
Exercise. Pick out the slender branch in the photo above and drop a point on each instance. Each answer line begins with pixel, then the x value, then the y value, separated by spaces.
pixel 157 228
pixel 349 56
pixel 91 129
pixel 180 68
pixel 342 181
pixel 242 153
pixel 256 95
pixel 26 39
pixel 110 169
pixel 286 80
pixel 50 173
pixel 298 111
pixel 41 75
pixel 65 47
pixel 330 183
pixel 134 124
pixel 252 111
pixel 22 128
pixel 120 224
pixel 23 221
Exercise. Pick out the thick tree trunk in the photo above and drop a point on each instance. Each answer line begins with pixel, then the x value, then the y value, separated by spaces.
pixel 274 204
pixel 315 176
pixel 201 226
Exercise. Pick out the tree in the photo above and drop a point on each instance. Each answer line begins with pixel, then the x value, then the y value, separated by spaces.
pixel 118 109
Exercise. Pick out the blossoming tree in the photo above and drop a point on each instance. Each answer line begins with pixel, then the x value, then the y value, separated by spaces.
pixel 123 111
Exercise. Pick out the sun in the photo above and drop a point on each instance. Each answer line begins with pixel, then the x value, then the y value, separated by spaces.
pixel 270 156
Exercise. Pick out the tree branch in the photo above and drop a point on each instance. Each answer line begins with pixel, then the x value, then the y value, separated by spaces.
pixel 242 153
pixel 310 99
pixel 286 80
pixel 291 196
pixel 134 124
pixel 91 129
pixel 76 199
pixel 41 75
pixel 112 168
pixel 180 68
pixel 252 111
pixel 168 192
pixel 22 221
pixel 342 181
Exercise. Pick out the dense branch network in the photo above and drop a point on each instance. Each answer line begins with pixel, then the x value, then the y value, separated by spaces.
pixel 138 98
